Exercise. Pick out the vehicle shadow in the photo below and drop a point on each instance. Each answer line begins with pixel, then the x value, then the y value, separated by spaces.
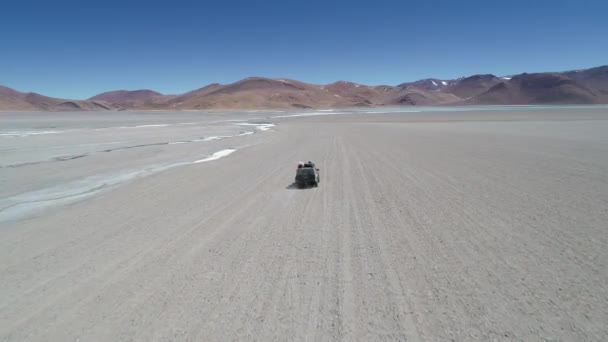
pixel 293 186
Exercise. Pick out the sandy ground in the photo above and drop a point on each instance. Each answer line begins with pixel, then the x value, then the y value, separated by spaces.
pixel 426 227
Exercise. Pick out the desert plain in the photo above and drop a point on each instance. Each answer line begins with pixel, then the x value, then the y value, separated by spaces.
pixel 432 224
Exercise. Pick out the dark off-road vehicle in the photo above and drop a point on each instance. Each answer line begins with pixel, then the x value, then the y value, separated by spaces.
pixel 307 175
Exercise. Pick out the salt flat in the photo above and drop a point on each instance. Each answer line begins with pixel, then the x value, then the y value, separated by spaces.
pixel 484 224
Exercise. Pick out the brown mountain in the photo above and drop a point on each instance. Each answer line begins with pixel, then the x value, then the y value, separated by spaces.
pixel 595 78
pixel 11 99
pixel 125 96
pixel 259 93
pixel 471 86
pixel 414 96
pixel 359 94
pixel 540 88
pixel 571 87
pixel 352 90
pixel 429 84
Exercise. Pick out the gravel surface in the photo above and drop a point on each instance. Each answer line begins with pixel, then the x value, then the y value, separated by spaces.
pixel 457 226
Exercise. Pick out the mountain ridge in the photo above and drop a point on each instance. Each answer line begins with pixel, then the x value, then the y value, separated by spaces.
pixel 586 86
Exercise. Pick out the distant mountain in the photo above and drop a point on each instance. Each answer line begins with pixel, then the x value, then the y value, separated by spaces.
pixel 390 96
pixel 351 90
pixel 125 96
pixel 595 78
pixel 589 86
pixel 11 99
pixel 414 96
pixel 429 84
pixel 260 92
pixel 471 86
pixel 541 88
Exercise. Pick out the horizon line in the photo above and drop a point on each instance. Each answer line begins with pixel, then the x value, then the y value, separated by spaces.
pixel 287 78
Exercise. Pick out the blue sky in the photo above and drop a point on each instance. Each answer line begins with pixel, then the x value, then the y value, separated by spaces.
pixel 76 49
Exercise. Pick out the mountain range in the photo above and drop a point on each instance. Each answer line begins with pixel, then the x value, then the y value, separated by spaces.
pixel 589 86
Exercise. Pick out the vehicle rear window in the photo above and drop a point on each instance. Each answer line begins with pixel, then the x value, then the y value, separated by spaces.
pixel 306 171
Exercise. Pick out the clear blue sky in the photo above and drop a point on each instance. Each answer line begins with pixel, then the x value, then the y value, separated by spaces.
pixel 76 49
